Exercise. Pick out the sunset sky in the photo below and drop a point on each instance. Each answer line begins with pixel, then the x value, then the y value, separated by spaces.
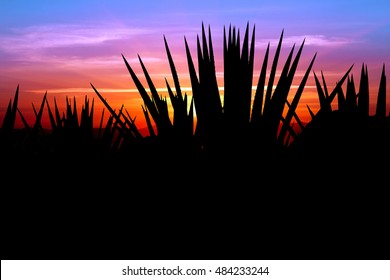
pixel 63 46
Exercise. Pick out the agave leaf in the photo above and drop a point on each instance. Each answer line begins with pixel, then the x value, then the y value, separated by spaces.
pixel 86 121
pixel 68 118
pixel 163 122
pixel 37 124
pixel 57 113
pixel 173 71
pixel 381 99
pixel 195 90
pixel 336 90
pixel 15 104
pixel 179 110
pixel 8 124
pixel 340 98
pixel 99 134
pixel 112 112
pixel 322 96
pixel 24 121
pixel 325 87
pixel 273 72
pixel 208 98
pixel 363 95
pixel 148 122
pixel 294 66
pixel 131 123
pixel 295 101
pixel 145 96
pixel 259 94
pixel 70 121
pixel 279 96
pixel 274 111
pixel 310 112
pixel 51 118
pixel 238 76
pixel 84 113
pixel 90 117
pixel 75 114
pixel 350 95
pixel 192 71
pixel 296 117
pixel 205 55
pixel 190 117
pixel 245 46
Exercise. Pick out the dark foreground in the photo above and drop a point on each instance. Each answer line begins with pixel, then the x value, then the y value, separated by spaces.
pixel 279 206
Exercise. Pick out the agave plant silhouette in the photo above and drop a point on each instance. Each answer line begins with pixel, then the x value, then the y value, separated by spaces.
pixel 249 135
pixel 244 124
pixel 248 124
pixel 71 135
pixel 349 128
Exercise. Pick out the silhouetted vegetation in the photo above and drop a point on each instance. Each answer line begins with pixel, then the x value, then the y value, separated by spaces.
pixel 240 130
pixel 239 156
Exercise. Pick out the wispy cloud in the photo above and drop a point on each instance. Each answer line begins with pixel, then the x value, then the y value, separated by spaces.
pixel 61 35
pixel 82 47
pixel 72 44
pixel 310 40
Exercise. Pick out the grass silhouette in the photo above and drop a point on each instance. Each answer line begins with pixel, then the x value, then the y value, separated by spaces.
pixel 237 158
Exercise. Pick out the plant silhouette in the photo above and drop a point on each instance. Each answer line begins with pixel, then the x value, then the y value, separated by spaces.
pixel 224 154
pixel 245 127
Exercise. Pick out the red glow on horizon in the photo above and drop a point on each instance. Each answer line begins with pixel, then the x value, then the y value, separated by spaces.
pixel 131 100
